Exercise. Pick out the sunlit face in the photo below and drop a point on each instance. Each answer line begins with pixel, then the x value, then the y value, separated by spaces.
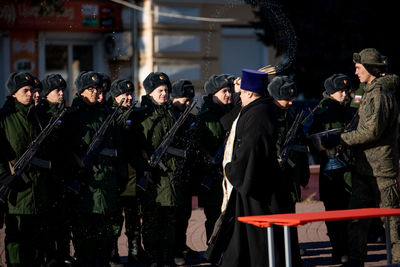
pixel 244 97
pixel 128 99
pixel 223 96
pixel 160 94
pixel 24 95
pixel 284 103
pixel 339 96
pixel 36 96
pixel 90 95
pixel 363 75
pixel 181 102
pixel 55 96
pixel 101 96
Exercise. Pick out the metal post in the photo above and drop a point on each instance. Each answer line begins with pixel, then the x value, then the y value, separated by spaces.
pixel 388 241
pixel 288 250
pixel 271 248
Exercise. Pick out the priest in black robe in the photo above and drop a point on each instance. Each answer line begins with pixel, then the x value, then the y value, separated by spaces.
pixel 253 184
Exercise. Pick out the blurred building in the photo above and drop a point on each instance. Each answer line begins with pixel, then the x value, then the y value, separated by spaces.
pixel 172 36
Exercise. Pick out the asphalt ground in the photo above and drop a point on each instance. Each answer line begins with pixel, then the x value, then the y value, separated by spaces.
pixel 312 237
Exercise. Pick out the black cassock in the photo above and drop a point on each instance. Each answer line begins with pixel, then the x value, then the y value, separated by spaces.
pixel 259 188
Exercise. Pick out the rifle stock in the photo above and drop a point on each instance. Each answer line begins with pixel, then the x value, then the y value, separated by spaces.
pixel 155 159
pixel 17 170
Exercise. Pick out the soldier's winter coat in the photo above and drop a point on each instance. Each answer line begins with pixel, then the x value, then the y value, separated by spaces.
pixel 376 132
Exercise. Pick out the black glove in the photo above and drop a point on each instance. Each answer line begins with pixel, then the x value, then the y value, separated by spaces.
pixel 330 140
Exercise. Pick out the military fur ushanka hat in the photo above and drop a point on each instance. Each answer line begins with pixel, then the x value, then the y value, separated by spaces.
pixel 182 88
pixel 51 82
pixel 282 88
pixel 337 82
pixel 88 79
pixel 106 86
pixel 372 60
pixel 121 86
pixel 17 80
pixel 217 82
pixel 154 80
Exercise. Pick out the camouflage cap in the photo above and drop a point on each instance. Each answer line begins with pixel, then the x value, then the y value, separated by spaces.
pixel 372 60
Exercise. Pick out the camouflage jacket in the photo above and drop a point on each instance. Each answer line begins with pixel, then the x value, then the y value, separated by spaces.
pixel 375 137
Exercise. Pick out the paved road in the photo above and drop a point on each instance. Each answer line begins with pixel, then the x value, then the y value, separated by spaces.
pixel 312 237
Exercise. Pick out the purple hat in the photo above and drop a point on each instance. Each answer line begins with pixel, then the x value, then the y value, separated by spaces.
pixel 254 81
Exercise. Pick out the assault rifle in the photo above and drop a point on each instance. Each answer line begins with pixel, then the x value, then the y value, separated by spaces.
pixel 121 118
pixel 17 170
pixel 94 147
pixel 155 159
pixel 289 141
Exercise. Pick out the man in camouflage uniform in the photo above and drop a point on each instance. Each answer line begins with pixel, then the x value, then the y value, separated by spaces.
pixel 28 203
pixel 97 202
pixel 334 185
pixel 375 152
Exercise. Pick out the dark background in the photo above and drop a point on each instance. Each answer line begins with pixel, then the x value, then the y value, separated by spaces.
pixel 328 32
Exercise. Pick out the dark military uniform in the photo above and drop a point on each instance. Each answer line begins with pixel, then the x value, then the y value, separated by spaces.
pixel 28 203
pixel 162 199
pixel 334 186
pixel 97 202
pixel 212 140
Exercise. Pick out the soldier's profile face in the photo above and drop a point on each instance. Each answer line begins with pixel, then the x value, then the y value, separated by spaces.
pixel 128 99
pixel 363 75
pixel 339 96
pixel 160 94
pixel 55 96
pixel 90 95
pixel 24 95
pixel 223 96
pixel 284 103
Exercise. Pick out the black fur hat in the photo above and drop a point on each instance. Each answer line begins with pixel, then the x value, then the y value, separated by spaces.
pixel 155 79
pixel 182 88
pixel 217 82
pixel 121 86
pixel 337 82
pixel 88 79
pixel 106 82
pixel 282 88
pixel 17 80
pixel 51 82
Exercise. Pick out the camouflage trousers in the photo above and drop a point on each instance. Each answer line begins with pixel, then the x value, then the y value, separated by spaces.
pixel 369 191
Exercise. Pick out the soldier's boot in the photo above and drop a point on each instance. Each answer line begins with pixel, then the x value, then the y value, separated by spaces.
pixel 136 253
pixel 167 258
pixel 114 254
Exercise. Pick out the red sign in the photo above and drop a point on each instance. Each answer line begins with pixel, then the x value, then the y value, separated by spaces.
pixel 23 55
pixel 77 16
